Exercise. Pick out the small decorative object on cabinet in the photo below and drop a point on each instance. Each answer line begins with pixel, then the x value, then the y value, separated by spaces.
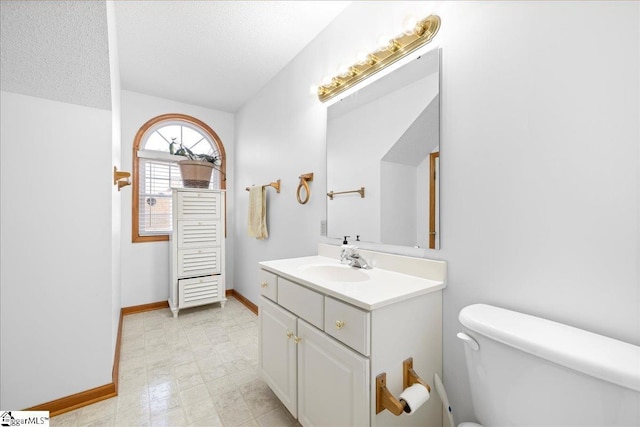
pixel 197 254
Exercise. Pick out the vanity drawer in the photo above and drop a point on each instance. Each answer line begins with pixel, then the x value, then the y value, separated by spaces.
pixel 269 285
pixel 301 301
pixel 348 324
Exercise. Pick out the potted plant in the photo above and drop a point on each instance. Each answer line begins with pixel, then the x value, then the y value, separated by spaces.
pixel 196 169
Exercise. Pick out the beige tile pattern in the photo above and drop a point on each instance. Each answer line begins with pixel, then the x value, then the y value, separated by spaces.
pixel 197 370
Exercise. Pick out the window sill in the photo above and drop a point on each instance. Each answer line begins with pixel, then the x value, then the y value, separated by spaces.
pixel 144 239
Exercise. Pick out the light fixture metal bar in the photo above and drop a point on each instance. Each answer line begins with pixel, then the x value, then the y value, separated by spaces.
pixel 398 48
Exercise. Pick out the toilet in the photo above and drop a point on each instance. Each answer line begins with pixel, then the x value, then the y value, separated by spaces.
pixel 528 371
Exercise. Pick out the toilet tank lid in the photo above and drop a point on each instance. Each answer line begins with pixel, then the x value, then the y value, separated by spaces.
pixel 601 357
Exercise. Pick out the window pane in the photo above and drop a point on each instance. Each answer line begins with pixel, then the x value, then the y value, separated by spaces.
pixel 156 142
pixel 170 132
pixel 203 147
pixel 156 180
pixel 157 214
pixel 190 136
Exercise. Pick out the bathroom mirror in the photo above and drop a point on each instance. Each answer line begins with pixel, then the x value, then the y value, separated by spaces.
pixel 386 138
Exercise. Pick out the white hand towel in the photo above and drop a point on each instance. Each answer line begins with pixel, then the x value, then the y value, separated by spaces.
pixel 257 213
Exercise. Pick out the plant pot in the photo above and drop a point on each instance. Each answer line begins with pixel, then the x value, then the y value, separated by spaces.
pixel 195 173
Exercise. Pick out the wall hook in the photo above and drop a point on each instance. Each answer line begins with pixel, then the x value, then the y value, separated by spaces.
pixel 121 178
pixel 304 184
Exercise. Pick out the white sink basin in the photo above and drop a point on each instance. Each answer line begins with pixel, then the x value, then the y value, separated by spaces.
pixel 365 289
pixel 335 273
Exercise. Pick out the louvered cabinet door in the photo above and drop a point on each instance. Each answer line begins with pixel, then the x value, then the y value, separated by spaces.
pixel 198 262
pixel 199 205
pixel 199 290
pixel 198 234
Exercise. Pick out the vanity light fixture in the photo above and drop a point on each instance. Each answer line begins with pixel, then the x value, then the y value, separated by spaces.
pixel 397 48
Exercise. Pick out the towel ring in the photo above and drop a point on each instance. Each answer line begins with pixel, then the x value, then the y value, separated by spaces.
pixel 304 179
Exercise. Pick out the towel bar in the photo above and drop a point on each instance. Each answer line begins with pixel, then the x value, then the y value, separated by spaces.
pixel 275 185
pixel 333 193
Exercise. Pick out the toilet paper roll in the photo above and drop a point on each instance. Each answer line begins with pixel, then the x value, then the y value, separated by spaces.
pixel 414 396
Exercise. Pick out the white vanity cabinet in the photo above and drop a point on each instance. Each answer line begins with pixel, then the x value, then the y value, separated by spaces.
pixel 197 248
pixel 320 354
pixel 321 382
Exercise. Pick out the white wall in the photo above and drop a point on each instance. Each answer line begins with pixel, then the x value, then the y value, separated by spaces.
pixel 56 293
pixel 540 160
pixel 145 266
pixel 116 196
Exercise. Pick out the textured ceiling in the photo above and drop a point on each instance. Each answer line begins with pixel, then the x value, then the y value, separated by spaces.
pixel 217 54
pixel 56 50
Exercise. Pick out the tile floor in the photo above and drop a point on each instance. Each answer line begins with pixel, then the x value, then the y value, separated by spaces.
pixel 197 370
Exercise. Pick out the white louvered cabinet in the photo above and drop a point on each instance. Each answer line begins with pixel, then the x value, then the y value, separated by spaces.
pixel 197 249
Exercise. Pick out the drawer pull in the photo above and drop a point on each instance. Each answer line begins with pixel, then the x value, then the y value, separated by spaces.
pixel 339 324
pixel 264 284
pixel 289 334
pixel 297 339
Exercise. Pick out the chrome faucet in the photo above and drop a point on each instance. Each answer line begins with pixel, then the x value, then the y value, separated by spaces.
pixel 350 254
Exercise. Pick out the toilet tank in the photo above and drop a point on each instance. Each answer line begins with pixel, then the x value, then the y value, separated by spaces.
pixel 529 371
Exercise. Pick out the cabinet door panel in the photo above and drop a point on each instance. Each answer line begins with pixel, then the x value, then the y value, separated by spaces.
pixel 333 381
pixel 278 352
pixel 199 205
pixel 195 262
pixel 198 291
pixel 198 234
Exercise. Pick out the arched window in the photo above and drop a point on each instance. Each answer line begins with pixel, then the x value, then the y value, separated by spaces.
pixel 155 170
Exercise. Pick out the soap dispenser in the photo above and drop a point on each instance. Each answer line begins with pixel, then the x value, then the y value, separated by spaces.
pixel 345 250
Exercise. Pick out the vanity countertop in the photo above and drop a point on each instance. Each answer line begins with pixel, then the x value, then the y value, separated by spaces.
pixel 367 289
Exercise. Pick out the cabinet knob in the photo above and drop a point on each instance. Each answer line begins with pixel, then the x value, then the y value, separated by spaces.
pixel 339 324
pixel 264 284
pixel 297 339
pixel 289 334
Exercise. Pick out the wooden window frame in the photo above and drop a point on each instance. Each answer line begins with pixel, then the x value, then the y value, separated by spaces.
pixel 135 210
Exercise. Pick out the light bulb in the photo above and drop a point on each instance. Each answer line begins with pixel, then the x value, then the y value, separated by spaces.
pixel 409 25
pixel 383 42
pixel 361 57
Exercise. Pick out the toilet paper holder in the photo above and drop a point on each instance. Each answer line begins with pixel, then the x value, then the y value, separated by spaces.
pixel 386 400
